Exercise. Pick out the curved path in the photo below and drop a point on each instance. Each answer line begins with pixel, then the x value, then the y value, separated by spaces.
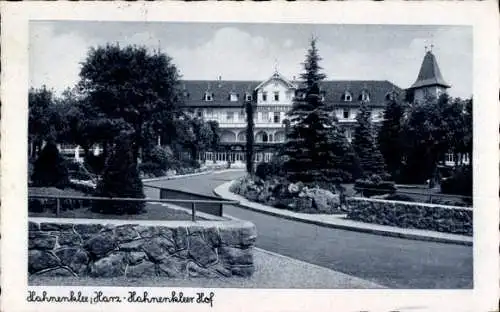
pixel 389 261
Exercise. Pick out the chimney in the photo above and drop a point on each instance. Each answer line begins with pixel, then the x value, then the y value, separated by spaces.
pixel 220 81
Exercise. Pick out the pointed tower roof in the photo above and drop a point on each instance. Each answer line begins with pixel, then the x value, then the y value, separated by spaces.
pixel 429 74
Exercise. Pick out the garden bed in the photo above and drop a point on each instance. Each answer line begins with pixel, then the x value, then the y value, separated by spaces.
pixel 290 196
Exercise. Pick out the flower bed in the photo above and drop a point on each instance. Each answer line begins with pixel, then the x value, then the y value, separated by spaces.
pixel 449 219
pixel 285 195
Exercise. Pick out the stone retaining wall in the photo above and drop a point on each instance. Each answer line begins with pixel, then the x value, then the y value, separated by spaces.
pixel 449 219
pixel 174 249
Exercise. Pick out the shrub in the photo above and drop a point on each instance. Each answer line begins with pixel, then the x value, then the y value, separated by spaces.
pixel 263 170
pixel 460 182
pixel 50 168
pixel 374 186
pixel 95 163
pixel 120 179
pixel 151 169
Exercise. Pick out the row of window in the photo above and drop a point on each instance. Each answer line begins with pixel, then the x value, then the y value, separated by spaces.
pixel 233 97
pixel 274 117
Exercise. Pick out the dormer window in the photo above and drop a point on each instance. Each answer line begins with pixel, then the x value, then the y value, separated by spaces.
pixel 185 93
pixel 233 97
pixel 347 96
pixel 209 96
pixel 365 96
pixel 248 97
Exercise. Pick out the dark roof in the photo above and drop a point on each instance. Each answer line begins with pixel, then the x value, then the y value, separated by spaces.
pixel 429 74
pixel 333 90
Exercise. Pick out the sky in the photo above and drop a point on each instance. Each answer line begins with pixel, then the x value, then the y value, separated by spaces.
pixel 253 51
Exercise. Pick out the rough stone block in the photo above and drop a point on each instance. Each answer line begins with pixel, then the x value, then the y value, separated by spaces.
pixel 201 251
pixel 248 235
pixel 125 233
pixel 243 270
pixel 111 266
pixel 87 231
pixel 75 258
pixel 158 248
pixel 136 257
pixel 135 245
pixel 40 240
pixel 166 232
pixel 101 244
pixel 172 267
pixel 69 239
pixel 230 236
pixel 33 226
pixel 146 231
pixel 180 237
pixel 194 270
pixel 236 256
pixel 145 268
pixel 41 260
pixel 212 236
pixel 55 226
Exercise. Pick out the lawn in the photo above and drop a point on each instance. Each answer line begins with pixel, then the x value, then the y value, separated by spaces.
pixel 153 212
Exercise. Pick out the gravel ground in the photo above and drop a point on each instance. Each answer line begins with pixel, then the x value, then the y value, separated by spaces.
pixel 272 271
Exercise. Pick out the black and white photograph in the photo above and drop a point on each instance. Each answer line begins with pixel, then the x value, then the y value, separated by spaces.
pixel 248 155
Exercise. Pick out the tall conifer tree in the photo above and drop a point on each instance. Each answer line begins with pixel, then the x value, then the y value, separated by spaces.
pixel 370 158
pixel 316 149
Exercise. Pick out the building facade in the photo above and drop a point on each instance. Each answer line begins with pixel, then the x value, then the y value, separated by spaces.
pixel 224 101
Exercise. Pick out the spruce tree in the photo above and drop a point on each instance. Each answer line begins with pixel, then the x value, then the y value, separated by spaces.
pixel 390 136
pixel 120 179
pixel 316 149
pixel 370 158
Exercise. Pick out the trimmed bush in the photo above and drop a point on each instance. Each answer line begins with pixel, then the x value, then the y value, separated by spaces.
pixel 120 179
pixel 50 168
pixel 460 183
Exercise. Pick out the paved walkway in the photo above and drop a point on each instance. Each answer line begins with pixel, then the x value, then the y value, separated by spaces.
pixel 341 222
pixel 389 261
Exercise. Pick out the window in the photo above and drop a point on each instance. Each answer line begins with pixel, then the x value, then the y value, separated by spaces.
pixel 233 97
pixel 242 115
pixel 346 114
pixel 450 157
pixel 347 97
pixel 276 96
pixel 264 96
pixel 229 116
pixel 276 117
pixel 208 96
pixel 365 97
pixel 199 114
pixel 248 97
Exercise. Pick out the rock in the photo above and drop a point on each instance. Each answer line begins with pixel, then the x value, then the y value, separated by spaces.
pixel 180 237
pixel 135 245
pixel 172 267
pixel 125 233
pixel 145 268
pixel 40 240
pixel 40 260
pixel 110 266
pixel 194 270
pixel 242 270
pixel 166 232
pixel 87 231
pixel 212 236
pixel 101 244
pixel 69 239
pixel 248 236
pixel 146 231
pixel 136 257
pixel 60 271
pixel 230 236
pixel 75 258
pixel 236 256
pixel 158 248
pixel 33 226
pixel 200 251
pixel 55 226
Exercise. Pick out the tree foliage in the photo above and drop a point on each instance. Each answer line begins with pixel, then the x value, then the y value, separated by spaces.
pixel 120 179
pixel 365 146
pixel 249 109
pixel 316 149
pixel 49 168
pixel 390 136
pixel 133 85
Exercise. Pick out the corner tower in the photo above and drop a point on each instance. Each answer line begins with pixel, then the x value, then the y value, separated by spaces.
pixel 430 82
